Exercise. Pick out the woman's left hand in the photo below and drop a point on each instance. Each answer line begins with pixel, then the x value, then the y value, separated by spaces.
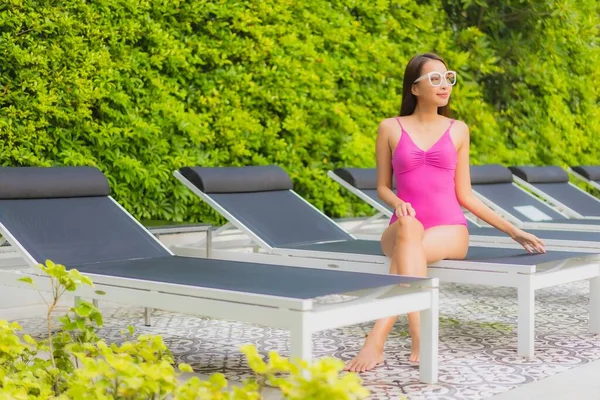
pixel 530 242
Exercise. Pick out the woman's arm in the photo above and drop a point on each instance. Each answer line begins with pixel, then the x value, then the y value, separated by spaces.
pixel 383 153
pixel 465 194
pixel 468 200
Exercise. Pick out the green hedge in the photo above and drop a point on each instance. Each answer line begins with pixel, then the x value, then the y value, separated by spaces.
pixel 141 88
pixel 544 94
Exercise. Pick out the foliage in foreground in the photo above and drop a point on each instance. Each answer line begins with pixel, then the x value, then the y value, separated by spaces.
pixel 72 362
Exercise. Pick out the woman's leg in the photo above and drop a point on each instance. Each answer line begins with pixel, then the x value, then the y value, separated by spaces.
pixel 437 243
pixel 446 242
pixel 403 242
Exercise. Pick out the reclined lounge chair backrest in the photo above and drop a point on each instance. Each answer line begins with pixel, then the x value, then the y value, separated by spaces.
pixel 495 183
pixel 364 180
pixel 589 172
pixel 261 200
pixel 64 214
pixel 554 182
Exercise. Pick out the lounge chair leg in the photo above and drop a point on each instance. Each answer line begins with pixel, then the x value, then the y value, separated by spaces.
pixel 209 242
pixel 595 305
pixel 301 342
pixel 526 320
pixel 428 368
pixel 147 316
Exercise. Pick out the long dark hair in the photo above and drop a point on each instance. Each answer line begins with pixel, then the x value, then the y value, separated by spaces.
pixel 411 73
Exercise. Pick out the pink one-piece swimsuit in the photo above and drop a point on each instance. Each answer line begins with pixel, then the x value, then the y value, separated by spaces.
pixel 425 179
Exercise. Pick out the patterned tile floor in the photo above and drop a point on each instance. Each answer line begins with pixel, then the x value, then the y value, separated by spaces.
pixel 477 342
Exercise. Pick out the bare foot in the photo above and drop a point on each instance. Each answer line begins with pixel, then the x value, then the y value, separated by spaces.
pixel 414 350
pixel 368 358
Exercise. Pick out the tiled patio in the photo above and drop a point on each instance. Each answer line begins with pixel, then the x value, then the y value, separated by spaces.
pixel 477 342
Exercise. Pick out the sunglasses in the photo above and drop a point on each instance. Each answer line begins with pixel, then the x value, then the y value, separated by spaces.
pixel 436 78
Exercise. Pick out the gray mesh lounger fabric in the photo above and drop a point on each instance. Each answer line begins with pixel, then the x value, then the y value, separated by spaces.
pixel 548 234
pixel 507 197
pixel 280 218
pixel 260 197
pixel 554 181
pixel 77 230
pixel 496 255
pixel 493 255
pixel 265 279
pixel 572 198
pixel 265 204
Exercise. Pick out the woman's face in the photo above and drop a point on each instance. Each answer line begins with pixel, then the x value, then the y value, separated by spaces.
pixel 434 73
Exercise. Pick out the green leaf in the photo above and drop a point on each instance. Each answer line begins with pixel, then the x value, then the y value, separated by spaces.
pixel 26 279
pixel 83 309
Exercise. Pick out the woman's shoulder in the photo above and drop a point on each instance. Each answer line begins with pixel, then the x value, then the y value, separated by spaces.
pixel 392 121
pixel 458 123
pixel 460 133
pixel 388 125
pixel 460 127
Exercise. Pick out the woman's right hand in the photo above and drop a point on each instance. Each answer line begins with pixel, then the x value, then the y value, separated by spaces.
pixel 530 242
pixel 404 209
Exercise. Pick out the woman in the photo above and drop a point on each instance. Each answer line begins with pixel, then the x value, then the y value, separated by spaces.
pixel 428 155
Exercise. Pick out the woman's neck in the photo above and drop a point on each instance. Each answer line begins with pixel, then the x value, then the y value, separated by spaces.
pixel 426 114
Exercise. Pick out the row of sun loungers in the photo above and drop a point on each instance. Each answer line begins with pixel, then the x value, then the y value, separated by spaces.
pixel 66 214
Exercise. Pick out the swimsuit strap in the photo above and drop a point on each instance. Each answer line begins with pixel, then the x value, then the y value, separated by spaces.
pixel 399 123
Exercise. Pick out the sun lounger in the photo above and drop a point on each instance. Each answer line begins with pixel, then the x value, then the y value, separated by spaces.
pixel 552 184
pixel 588 173
pixel 260 201
pixel 66 215
pixel 494 185
pixel 362 182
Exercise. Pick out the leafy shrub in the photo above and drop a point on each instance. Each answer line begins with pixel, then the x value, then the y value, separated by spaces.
pixel 141 88
pixel 543 93
pixel 80 365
